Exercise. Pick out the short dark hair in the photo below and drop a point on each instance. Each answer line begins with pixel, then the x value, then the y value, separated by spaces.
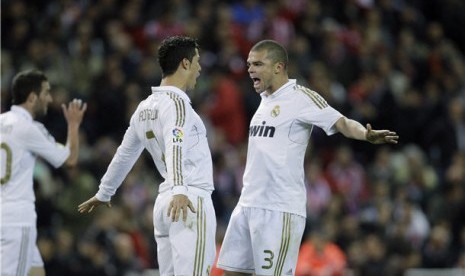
pixel 173 50
pixel 276 52
pixel 25 83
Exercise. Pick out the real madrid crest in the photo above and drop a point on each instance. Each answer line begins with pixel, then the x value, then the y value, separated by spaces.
pixel 275 111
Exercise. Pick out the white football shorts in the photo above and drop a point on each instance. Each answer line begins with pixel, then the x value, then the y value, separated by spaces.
pixel 185 248
pixel 18 250
pixel 260 241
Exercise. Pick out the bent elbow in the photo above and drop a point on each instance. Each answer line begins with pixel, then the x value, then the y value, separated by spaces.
pixel 71 162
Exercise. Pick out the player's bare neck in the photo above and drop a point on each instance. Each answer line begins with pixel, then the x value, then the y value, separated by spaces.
pixel 278 83
pixel 29 108
pixel 175 81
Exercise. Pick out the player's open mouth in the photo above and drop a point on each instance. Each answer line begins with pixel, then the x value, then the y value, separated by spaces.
pixel 256 82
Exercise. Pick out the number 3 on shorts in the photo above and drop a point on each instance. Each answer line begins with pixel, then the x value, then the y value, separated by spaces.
pixel 268 259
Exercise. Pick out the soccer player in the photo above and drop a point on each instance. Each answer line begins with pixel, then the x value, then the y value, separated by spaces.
pixel 166 125
pixel 22 140
pixel 266 227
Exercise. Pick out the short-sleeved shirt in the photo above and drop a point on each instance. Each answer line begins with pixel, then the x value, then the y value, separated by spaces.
pixel 22 140
pixel 279 133
pixel 172 132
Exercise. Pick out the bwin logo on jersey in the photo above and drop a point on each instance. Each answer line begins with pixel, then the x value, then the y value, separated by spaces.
pixel 262 130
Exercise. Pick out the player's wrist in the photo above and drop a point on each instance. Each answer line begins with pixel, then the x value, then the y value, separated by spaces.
pixel 73 127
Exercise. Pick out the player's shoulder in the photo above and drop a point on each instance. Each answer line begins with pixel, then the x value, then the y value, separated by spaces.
pixel 307 96
pixel 18 121
pixel 168 97
pixel 22 129
pixel 6 116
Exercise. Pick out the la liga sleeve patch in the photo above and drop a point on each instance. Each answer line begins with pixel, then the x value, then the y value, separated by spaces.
pixel 178 135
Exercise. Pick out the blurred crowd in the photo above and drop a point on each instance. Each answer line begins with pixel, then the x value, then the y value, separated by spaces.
pixel 376 210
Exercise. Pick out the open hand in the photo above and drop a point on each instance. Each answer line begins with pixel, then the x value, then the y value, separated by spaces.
pixel 179 203
pixel 74 112
pixel 381 136
pixel 90 204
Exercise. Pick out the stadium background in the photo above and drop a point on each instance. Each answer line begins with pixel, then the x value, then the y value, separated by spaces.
pixel 396 64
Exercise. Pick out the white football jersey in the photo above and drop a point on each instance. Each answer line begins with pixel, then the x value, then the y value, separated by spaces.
pixel 22 140
pixel 172 132
pixel 279 133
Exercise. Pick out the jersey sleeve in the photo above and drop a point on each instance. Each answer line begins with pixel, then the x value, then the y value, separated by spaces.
pixel 176 120
pixel 316 111
pixel 326 119
pixel 39 141
pixel 124 159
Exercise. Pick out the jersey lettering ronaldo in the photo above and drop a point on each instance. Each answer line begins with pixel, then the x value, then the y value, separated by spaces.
pixel 279 133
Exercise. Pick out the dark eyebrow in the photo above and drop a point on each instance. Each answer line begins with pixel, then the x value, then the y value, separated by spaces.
pixel 258 62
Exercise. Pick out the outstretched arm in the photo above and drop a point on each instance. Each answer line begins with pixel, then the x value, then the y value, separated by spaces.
pixel 123 161
pixel 353 129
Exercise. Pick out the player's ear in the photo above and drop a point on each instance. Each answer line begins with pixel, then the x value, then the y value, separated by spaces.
pixel 32 97
pixel 279 67
pixel 185 63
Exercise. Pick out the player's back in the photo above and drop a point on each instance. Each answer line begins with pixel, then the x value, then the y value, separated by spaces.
pixel 149 127
pixel 16 165
pixel 169 129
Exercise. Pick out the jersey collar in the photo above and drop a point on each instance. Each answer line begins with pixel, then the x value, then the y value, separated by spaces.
pixel 21 111
pixel 174 89
pixel 280 90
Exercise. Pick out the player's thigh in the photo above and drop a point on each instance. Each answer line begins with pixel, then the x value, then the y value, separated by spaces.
pixel 276 238
pixel 236 249
pixel 193 241
pixel 164 256
pixel 20 243
pixel 37 271
pixel 161 223
pixel 37 264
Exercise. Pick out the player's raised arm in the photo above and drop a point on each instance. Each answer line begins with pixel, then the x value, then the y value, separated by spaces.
pixel 74 112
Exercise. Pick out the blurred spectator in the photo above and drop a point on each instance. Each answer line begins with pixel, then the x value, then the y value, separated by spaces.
pixel 375 254
pixel 164 26
pixel 226 111
pixel 414 175
pixel 446 135
pixel 226 191
pixel 382 168
pixel 318 189
pixel 247 11
pixel 436 251
pixel 86 58
pixel 376 215
pixel 455 173
pixel 410 220
pixel 331 90
pixel 125 261
pixel 347 178
pixel 349 233
pixel 319 256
